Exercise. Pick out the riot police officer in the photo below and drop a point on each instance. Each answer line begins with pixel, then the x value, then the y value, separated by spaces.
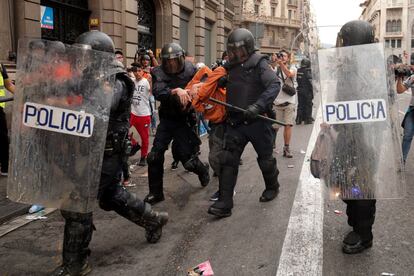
pixel 361 213
pixel 177 121
pixel 253 86
pixel 305 93
pixel 111 195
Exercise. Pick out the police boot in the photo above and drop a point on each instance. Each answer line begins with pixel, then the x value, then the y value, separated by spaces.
pixel 202 170
pixel 155 163
pixel 355 242
pixel 77 236
pixel 227 181
pixel 153 222
pixel 270 173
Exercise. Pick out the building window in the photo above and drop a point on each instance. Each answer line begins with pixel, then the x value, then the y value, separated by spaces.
pixel 388 26
pixel 207 43
pixel 273 11
pixel 412 43
pixel 184 26
pixel 393 26
pixel 256 9
pixel 290 14
pixel 394 43
pixel 273 37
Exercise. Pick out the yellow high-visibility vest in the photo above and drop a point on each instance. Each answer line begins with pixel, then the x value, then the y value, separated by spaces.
pixel 2 88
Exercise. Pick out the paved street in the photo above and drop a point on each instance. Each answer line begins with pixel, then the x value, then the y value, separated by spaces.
pixel 250 242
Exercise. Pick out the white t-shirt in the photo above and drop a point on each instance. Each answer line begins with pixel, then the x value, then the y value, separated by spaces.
pixel 282 97
pixel 140 101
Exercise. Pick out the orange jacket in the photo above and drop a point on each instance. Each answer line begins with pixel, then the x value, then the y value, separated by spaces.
pixel 213 112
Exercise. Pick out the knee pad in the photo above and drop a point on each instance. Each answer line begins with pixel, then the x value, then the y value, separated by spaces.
pixel 118 199
pixel 267 165
pixel 229 158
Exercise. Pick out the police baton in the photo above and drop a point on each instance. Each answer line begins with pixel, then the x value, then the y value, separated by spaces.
pixel 6 99
pixel 243 110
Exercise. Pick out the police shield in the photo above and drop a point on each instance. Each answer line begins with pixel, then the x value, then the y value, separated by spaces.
pixel 361 116
pixel 59 125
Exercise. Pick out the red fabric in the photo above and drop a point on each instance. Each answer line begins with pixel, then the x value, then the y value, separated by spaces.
pixel 142 124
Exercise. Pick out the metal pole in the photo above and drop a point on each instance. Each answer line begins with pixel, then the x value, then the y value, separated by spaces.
pixel 243 110
pixel 296 37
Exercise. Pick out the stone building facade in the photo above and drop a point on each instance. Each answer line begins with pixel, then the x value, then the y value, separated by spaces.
pixel 276 23
pixel 393 21
pixel 199 25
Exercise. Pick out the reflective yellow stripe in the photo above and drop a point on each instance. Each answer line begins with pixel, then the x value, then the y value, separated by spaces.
pixel 2 90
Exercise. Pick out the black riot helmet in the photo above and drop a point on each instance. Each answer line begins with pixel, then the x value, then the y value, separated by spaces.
pixel 173 58
pixel 355 32
pixel 240 45
pixel 305 63
pixel 96 40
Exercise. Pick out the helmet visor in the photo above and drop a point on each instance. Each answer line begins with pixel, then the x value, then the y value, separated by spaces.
pixel 173 65
pixel 237 54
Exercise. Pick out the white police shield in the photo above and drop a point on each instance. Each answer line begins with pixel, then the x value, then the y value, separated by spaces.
pixel 358 104
pixel 60 119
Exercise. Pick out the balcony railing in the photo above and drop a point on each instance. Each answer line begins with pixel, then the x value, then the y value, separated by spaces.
pixel 395 3
pixel 293 3
pixel 393 34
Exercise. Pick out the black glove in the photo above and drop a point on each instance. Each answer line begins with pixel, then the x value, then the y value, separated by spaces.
pixel 252 111
pixel 222 82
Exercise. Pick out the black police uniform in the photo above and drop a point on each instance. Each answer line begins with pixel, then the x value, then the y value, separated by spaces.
pixel 112 195
pixel 361 213
pixel 305 95
pixel 175 124
pixel 249 83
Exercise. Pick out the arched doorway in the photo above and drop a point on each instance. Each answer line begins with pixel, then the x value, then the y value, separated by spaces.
pixel 70 17
pixel 146 25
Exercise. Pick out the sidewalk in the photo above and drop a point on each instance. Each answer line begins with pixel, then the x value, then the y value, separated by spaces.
pixel 9 209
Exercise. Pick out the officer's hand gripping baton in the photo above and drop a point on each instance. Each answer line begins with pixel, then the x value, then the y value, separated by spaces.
pixel 243 110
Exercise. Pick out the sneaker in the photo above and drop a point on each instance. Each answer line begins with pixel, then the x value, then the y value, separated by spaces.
pixel 4 174
pixel 174 165
pixel 142 162
pixel 128 183
pixel 215 196
pixel 35 208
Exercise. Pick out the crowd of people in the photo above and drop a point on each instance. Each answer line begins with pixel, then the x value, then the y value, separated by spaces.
pixel 257 85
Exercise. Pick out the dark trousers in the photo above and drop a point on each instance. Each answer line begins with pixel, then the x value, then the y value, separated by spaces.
pixel 4 142
pixel 235 138
pixel 111 196
pixel 186 144
pixel 361 216
pixel 304 112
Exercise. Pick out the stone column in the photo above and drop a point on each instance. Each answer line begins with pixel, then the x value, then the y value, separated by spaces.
pixel 131 30
pixel 220 29
pixel 111 18
pixel 176 21
pixel 199 8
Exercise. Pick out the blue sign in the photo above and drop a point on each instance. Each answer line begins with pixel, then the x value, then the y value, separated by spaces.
pixel 46 17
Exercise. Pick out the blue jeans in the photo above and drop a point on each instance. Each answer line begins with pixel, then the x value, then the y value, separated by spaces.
pixel 408 132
